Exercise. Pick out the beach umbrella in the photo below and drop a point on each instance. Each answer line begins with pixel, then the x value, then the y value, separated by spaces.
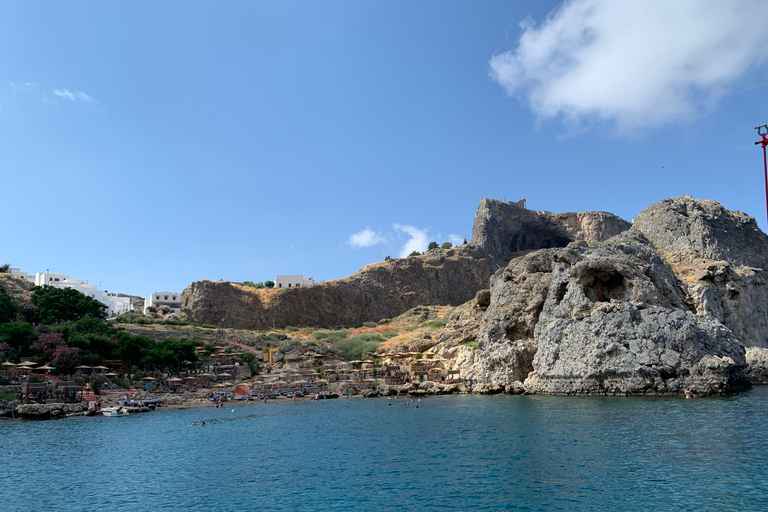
pixel 190 378
pixel 175 379
pixel 46 368
pixel 148 378
pixel 110 374
pixel 8 363
pixel 100 368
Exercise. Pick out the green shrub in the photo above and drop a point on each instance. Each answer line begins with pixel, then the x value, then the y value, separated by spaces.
pixel 134 318
pixel 390 333
pixel 370 324
pixel 249 358
pixel 436 324
pixel 208 326
pixel 356 348
pixel 269 284
pixel 253 285
pixel 432 245
pixel 291 328
pixel 176 319
pixel 446 245
pixel 415 253
pixel 331 337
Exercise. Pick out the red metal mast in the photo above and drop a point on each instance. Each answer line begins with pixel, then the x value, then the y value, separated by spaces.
pixel 762 130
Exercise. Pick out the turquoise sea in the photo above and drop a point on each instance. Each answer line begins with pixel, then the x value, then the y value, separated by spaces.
pixel 453 453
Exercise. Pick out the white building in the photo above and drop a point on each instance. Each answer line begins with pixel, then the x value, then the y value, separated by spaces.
pixel 157 299
pixel 15 272
pixel 293 281
pixel 115 305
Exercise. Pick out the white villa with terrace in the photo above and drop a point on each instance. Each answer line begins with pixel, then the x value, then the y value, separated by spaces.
pixel 158 299
pixel 295 281
pixel 115 305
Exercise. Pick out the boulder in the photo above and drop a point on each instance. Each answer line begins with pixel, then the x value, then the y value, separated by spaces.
pixel 757 365
pixel 608 319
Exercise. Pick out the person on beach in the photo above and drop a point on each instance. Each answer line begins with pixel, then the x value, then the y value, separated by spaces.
pixel 694 391
pixel 202 423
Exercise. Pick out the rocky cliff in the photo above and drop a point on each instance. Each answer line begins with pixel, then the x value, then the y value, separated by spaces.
pixel 671 302
pixel 387 289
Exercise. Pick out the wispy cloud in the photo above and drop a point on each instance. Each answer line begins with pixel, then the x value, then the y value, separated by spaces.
pixel 635 63
pixel 418 240
pixel 455 239
pixel 73 96
pixel 365 238
pixel 23 86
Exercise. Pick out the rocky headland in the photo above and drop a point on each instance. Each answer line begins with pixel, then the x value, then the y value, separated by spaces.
pixel 572 303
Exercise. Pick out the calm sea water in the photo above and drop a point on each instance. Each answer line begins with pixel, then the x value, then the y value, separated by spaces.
pixel 453 453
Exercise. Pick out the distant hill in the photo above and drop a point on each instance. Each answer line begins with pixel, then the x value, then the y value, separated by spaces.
pixel 387 289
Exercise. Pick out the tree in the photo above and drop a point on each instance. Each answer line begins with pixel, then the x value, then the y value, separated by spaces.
pixel 56 305
pixel 446 245
pixel 387 258
pixel 181 350
pixel 5 268
pixel 65 359
pixel 415 253
pixel 28 311
pixel 133 348
pixel 465 241
pixel 432 245
pixel 269 284
pixel 9 308
pixel 18 335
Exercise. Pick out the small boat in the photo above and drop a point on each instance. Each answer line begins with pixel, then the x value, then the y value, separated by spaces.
pixel 114 411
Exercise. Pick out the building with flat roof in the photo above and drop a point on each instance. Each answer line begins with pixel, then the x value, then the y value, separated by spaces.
pixel 295 281
pixel 158 299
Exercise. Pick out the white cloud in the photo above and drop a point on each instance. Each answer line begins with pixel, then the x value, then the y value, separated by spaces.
pixel 633 63
pixel 455 240
pixel 22 86
pixel 73 96
pixel 364 238
pixel 416 242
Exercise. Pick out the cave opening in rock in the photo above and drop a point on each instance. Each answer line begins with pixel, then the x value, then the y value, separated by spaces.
pixel 560 292
pixel 605 286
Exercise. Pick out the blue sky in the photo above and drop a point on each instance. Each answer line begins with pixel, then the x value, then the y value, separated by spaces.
pixel 146 147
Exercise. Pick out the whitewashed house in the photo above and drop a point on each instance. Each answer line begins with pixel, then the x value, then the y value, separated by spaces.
pixel 294 281
pixel 15 272
pixel 115 305
pixel 157 299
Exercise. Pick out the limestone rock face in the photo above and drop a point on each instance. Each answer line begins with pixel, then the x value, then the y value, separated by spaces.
pixel 721 255
pixel 379 290
pixel 685 229
pixel 388 289
pixel 757 365
pixel 608 319
pixel 502 229
pixel 49 411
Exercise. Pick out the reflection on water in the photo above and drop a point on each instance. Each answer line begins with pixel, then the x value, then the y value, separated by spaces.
pixel 453 453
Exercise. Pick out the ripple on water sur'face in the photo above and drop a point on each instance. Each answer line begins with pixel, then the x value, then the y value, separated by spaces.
pixel 453 453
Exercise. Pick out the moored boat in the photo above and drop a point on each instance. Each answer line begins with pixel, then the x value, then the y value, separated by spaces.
pixel 114 411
